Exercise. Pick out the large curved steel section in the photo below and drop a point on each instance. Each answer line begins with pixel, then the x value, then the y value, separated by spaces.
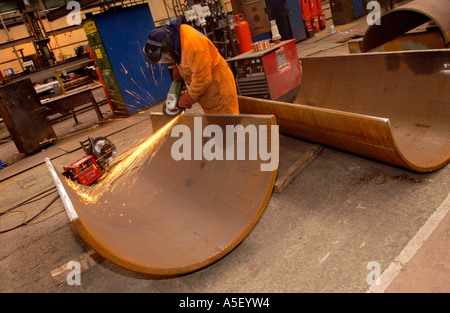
pixel 174 217
pixel 392 107
pixel 407 17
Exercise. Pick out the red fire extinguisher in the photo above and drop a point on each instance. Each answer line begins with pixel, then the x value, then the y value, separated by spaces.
pixel 243 33
pixel 315 23
pixel 319 5
pixel 305 7
pixel 320 14
pixel 322 22
pixel 308 24
pixel 312 7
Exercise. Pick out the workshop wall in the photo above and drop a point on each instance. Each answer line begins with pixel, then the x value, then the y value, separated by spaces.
pixel 64 45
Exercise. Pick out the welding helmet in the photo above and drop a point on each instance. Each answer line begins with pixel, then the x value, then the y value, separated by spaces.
pixel 157 48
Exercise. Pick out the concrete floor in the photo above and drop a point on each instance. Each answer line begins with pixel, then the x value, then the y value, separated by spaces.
pixel 339 221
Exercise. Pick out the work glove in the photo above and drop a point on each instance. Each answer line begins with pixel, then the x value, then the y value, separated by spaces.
pixel 176 73
pixel 186 101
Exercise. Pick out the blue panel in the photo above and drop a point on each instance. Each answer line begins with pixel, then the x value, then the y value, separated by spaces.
pixel 277 11
pixel 124 32
pixel 358 8
pixel 262 37
pixel 295 19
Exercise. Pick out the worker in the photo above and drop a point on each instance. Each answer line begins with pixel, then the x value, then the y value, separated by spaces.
pixel 209 80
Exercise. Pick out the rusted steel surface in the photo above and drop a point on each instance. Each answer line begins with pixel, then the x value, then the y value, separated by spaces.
pixel 173 217
pixel 392 107
pixel 407 17
pixel 25 117
pixel 429 39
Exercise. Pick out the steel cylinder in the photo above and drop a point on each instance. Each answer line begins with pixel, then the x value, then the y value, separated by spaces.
pixel 243 34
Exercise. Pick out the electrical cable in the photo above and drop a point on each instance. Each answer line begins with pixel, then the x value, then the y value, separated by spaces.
pixel 32 218
pixel 30 200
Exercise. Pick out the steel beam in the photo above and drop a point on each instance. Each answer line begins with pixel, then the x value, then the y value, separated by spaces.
pixel 392 107
pixel 172 217
pixel 407 17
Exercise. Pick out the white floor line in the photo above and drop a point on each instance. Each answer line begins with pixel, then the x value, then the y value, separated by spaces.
pixel 411 248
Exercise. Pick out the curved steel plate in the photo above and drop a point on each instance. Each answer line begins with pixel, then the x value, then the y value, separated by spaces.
pixel 172 217
pixel 407 17
pixel 392 107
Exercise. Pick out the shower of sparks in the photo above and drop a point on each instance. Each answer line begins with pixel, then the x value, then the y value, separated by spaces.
pixel 124 69
pixel 123 166
pixel 128 161
pixel 141 93
pixel 148 84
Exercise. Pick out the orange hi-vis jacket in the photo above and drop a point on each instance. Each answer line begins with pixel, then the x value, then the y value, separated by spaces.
pixel 206 73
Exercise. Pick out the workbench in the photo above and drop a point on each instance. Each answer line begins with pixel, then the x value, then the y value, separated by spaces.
pixel 72 99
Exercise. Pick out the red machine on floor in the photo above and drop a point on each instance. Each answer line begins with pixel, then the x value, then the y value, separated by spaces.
pixel 86 170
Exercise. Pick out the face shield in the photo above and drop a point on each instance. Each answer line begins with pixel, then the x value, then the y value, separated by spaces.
pixel 159 52
pixel 153 55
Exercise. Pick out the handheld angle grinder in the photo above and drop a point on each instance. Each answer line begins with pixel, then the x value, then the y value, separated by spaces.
pixel 170 107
